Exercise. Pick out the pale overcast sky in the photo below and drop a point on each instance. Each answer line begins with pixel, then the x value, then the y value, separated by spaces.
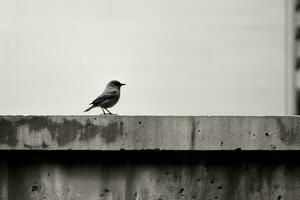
pixel 191 57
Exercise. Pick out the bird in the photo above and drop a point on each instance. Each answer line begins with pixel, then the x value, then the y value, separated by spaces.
pixel 109 97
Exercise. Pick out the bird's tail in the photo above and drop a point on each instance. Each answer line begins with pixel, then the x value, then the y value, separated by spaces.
pixel 91 107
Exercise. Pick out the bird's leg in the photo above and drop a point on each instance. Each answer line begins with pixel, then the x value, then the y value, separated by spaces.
pixel 103 111
pixel 108 111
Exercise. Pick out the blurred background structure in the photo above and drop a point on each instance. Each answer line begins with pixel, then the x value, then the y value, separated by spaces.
pixel 297 22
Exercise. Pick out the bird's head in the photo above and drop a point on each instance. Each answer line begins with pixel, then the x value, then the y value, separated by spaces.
pixel 115 84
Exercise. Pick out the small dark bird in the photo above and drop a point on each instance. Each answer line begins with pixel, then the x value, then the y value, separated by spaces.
pixel 109 97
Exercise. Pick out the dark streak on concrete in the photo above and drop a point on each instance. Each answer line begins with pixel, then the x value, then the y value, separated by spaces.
pixel 63 133
pixel 193 133
pixel 67 132
pixel 8 132
pixel 254 183
pixel 90 131
pixel 112 131
pixel 233 176
pixel 129 188
pixel 37 123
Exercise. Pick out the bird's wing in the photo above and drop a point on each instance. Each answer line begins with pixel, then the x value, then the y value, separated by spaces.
pixel 104 96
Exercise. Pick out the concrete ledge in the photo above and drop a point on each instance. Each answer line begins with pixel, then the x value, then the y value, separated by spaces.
pixel 149 175
pixel 149 132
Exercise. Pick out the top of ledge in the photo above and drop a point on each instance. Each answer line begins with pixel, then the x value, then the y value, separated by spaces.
pixel 150 132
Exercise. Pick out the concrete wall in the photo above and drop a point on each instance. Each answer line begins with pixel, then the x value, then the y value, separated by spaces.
pixel 66 158
pixel 149 132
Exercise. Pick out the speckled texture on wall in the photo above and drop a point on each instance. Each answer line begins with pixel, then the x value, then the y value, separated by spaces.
pixel 149 175
pixel 149 158
pixel 149 132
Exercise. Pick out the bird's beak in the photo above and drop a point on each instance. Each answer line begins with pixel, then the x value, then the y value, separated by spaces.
pixel 123 84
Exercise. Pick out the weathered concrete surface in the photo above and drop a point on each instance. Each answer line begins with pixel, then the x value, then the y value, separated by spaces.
pixel 156 175
pixel 149 132
pixel 149 175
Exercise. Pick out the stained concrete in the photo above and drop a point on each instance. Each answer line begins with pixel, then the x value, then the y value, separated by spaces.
pixel 150 132
pixel 149 158
pixel 144 175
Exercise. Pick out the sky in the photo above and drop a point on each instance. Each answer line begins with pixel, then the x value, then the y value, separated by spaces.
pixel 192 57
